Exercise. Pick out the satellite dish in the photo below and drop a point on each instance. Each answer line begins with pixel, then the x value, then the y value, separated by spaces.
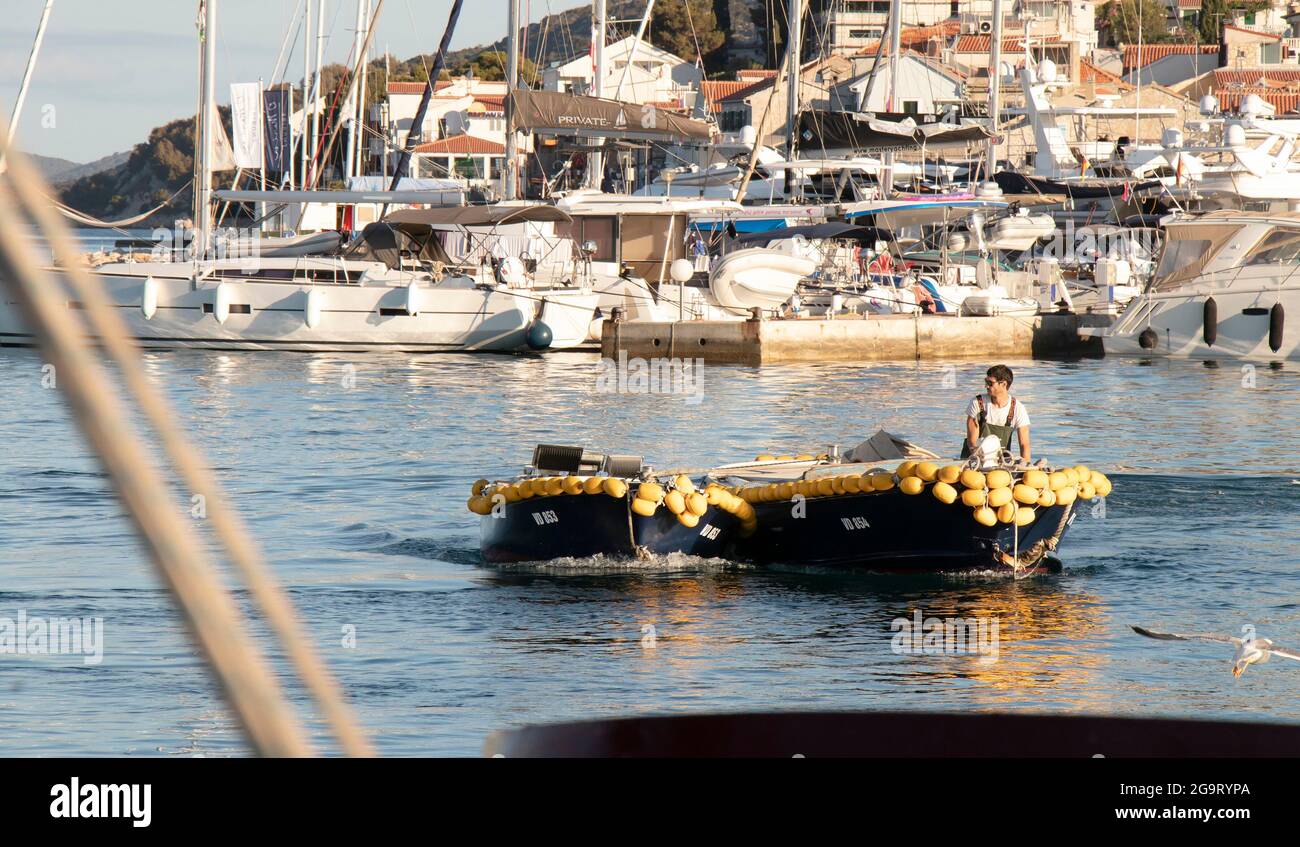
pixel 1047 70
pixel 1209 105
pixel 1253 105
pixel 1235 135
pixel 681 271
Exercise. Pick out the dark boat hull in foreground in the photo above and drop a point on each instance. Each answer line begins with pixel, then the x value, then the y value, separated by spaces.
pixel 892 531
pixel 581 526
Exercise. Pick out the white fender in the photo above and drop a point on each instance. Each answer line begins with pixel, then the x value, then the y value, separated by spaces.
pixel 412 299
pixel 758 277
pixel 221 302
pixel 312 310
pixel 149 298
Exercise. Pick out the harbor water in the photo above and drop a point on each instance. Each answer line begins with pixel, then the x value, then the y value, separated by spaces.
pixel 353 474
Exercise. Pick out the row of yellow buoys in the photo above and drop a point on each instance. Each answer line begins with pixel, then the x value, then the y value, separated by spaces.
pixel 993 497
pixel 483 494
pixel 997 496
pixel 679 496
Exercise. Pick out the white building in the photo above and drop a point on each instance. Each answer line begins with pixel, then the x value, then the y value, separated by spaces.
pixel 925 87
pixel 656 76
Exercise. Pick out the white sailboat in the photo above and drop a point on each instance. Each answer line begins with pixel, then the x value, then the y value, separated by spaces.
pixel 399 296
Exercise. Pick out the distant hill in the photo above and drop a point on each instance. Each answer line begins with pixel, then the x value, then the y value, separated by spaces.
pixel 77 172
pixel 51 167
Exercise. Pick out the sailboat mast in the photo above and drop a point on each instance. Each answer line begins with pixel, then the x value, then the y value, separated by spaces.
pixel 512 80
pixel 27 79
pixel 596 162
pixel 895 45
pixel 304 136
pixel 995 92
pixel 207 115
pixel 794 14
pixel 350 107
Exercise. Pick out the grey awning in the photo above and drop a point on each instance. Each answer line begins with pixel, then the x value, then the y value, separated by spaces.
pixel 477 215
pixel 556 113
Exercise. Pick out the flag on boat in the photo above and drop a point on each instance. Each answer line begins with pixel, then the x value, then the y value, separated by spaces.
pixel 246 124
pixel 275 114
pixel 1128 191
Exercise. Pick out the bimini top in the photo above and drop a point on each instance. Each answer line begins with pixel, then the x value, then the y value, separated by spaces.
pixel 476 215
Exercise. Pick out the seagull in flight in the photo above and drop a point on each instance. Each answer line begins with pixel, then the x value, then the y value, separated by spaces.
pixel 1250 650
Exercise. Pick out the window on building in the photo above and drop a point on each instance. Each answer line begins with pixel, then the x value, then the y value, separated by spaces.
pixel 469 168
pixel 1250 19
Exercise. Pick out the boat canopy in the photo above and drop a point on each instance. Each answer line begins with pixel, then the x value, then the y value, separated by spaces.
pixel 390 243
pixel 821 232
pixel 477 215
pixel 861 132
pixel 557 113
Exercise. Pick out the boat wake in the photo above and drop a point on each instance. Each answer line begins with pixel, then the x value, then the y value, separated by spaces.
pixel 601 564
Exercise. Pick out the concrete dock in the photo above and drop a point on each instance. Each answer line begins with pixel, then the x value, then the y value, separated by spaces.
pixel 852 338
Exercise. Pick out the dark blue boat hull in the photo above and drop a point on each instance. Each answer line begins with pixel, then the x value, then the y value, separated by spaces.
pixel 893 531
pixel 584 525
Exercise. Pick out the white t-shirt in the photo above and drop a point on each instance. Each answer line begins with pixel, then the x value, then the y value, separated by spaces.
pixel 997 415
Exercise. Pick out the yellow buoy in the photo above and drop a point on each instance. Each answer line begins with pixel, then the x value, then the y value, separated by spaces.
pixel 1025 494
pixel 949 474
pixel 594 484
pixel 1071 476
pixel 785 458
pixel 926 470
pixel 764 457
pixel 1025 516
pixel 985 516
pixel 999 497
pixel 511 493
pixel 804 457
pixel 1007 513
pixel 974 497
pixel 1084 473
pixel 853 484
pixel 688 519
pixel 769 492
pixel 525 488
pixel 683 484
pixel 554 486
pixel 972 478
pixel 480 505
pixel 1102 483
pixel 1057 480
pixel 477 488
pixel 945 493
pixel 675 502
pixel 714 494
pixel 1066 495
pixel 911 485
pixel 882 481
pixel 745 512
pixel 824 487
pixel 696 504
pixel 785 490
pixel 1047 499
pixel 906 469
pixel 837 485
pixel 644 508
pixel 1035 479
pixel 1087 491
pixel 652 491
pixel 571 484
pixel 614 486
pixel 997 479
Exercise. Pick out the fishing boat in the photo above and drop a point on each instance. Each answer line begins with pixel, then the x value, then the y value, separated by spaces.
pixel 573 503
pixel 857 511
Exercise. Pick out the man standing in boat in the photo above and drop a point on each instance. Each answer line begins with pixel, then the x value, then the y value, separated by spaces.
pixel 997 413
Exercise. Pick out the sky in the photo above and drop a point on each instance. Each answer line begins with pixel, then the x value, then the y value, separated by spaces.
pixel 111 70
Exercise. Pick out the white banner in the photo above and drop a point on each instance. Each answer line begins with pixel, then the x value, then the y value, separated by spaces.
pixel 246 123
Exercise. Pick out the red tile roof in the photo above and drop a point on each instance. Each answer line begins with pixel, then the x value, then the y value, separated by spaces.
pixel 1189 4
pixel 491 102
pixel 1283 101
pixel 1152 52
pixel 463 145
pixel 754 74
pixel 917 36
pixel 719 91
pixel 415 87
pixel 1257 77
pixel 1088 72
pixel 1010 44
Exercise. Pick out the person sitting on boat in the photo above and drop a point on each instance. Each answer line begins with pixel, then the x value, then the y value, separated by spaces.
pixel 923 298
pixel 997 413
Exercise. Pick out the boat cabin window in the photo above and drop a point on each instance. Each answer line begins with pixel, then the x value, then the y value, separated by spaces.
pixel 602 229
pixel 1188 250
pixel 1280 247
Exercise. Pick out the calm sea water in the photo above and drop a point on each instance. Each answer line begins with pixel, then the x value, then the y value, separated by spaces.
pixel 356 494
